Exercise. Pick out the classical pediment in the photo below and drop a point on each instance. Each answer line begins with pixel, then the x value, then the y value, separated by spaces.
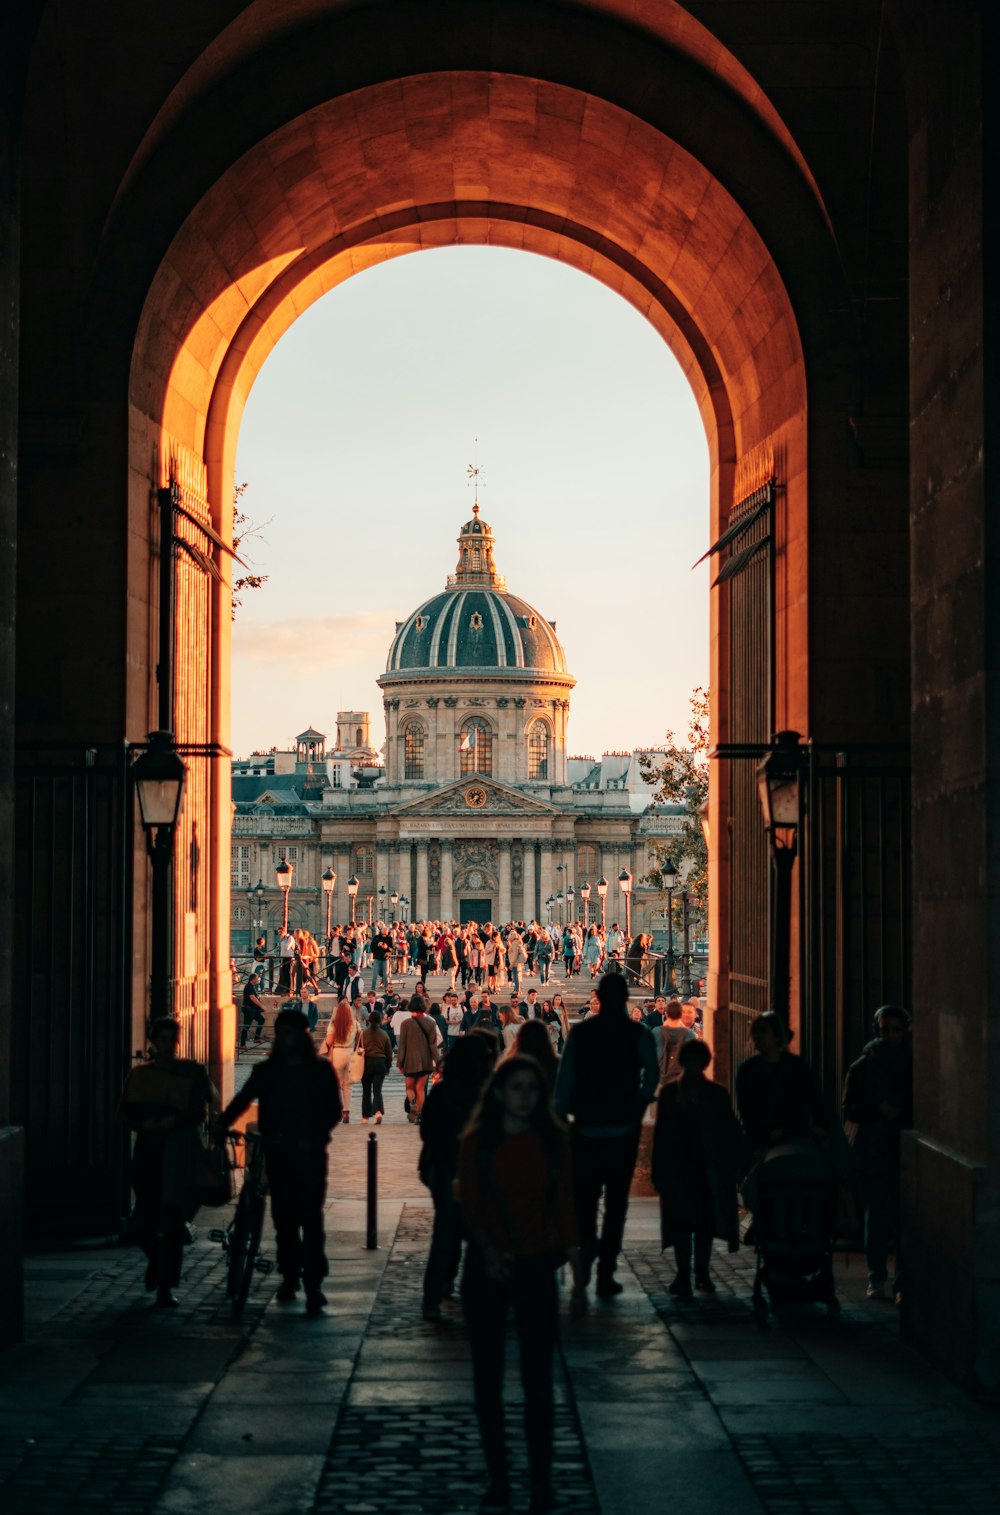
pixel 476 796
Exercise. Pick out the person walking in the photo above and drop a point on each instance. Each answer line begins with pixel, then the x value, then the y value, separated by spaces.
pixel 517 958
pixel 381 948
pixel 417 1055
pixel 878 1106
pixel 593 952
pixel 446 1111
pixel 515 1196
pixel 341 1043
pixel 543 956
pixel 299 1105
pixel 672 1037
pixel 378 1061
pixel 253 1010
pixel 696 1153
pixel 607 1077
pixel 164 1101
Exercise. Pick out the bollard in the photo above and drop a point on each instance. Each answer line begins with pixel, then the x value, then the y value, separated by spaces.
pixel 371 1238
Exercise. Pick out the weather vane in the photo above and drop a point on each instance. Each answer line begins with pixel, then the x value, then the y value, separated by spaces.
pixel 475 475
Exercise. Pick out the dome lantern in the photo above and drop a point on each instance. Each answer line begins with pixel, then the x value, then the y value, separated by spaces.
pixel 476 567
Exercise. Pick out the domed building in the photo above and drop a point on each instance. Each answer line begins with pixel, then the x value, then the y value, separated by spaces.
pixel 479 811
pixel 476 682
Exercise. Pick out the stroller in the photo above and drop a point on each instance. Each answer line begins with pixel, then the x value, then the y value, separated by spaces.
pixel 795 1210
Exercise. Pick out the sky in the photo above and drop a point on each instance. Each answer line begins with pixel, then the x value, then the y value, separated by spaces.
pixel 355 445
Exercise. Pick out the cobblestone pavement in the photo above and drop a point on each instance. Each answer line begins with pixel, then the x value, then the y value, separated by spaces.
pixel 112 1403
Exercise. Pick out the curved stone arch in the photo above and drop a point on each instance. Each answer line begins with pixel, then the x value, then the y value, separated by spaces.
pixel 475 880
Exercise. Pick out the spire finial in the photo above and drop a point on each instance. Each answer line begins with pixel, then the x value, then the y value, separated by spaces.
pixel 475 474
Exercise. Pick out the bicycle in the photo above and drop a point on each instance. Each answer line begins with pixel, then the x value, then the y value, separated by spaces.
pixel 241 1238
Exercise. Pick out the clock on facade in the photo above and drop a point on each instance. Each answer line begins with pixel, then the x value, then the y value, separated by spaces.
pixel 475 797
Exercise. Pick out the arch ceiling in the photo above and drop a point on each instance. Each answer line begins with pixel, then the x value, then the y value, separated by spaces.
pixel 438 159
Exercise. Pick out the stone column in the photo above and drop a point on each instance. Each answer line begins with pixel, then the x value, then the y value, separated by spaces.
pixel 503 903
pixel 545 878
pixel 447 885
pixel 420 899
pixel 528 878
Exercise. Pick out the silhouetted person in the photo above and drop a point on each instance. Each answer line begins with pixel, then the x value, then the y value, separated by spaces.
pixel 467 1065
pixel 878 1105
pixel 164 1101
pixel 696 1151
pixel 607 1077
pixel 299 1104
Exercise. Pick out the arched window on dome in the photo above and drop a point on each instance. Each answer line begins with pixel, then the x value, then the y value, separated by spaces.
pixel 475 746
pixel 538 751
pixel 414 737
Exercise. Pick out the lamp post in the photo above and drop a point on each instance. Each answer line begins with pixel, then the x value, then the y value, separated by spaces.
pixel 668 880
pixel 328 879
pixel 548 905
pixel 779 788
pixel 352 893
pixel 602 895
pixel 685 905
pixel 585 896
pixel 159 776
pixel 404 905
pixel 284 873
pixel 570 900
pixel 383 894
pixel 251 921
pixel 625 885
pixel 394 901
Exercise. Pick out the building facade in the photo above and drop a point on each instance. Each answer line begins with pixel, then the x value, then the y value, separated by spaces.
pixel 478 810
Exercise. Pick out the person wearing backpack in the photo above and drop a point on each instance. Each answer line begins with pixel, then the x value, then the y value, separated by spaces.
pixel 417 1055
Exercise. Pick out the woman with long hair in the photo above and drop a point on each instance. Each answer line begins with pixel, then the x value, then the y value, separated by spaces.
pixel 534 1039
pixel 515 1197
pixel 341 1042
pixel 559 1006
pixel 378 1061
pixel 447 1109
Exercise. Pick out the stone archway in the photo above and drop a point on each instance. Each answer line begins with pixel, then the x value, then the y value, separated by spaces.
pixel 478 157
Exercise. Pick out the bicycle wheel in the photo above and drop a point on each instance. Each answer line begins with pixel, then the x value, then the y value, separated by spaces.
pixel 239 1236
pixel 254 1225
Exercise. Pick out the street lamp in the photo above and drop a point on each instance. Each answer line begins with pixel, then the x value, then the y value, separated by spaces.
pixel 382 897
pixel 328 879
pixel 394 901
pixel 779 787
pixel 585 896
pixel 352 893
pixel 625 885
pixel 570 898
pixel 284 873
pixel 668 880
pixel 548 905
pixel 404 905
pixel 159 776
pixel 602 895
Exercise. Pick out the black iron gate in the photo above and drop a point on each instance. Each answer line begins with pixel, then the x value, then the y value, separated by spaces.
pixel 70 1046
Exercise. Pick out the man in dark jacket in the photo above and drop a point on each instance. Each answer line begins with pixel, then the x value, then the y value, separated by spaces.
pixel 299 1105
pixel 607 1076
pixel 878 1105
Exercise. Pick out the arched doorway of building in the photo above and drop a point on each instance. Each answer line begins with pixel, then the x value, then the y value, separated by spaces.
pixel 642 154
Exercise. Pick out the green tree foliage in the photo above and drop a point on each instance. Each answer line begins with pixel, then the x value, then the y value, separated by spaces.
pixel 244 528
pixel 681 778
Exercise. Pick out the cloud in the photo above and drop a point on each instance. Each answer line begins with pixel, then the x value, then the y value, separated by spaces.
pixel 301 644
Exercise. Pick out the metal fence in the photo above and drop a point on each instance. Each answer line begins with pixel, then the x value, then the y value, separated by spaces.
pixel 70 1046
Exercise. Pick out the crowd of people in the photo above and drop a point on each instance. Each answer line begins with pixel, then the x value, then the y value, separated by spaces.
pixel 529 1127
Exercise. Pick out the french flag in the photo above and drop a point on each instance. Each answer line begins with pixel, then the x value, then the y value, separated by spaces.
pixel 468 742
